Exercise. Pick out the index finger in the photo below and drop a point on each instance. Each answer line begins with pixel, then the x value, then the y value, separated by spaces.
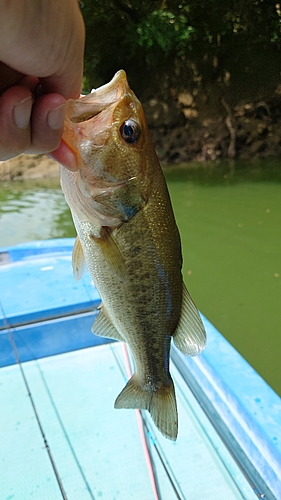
pixel 45 40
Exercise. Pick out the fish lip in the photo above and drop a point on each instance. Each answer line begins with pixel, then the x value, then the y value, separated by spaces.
pixel 118 84
pixel 106 96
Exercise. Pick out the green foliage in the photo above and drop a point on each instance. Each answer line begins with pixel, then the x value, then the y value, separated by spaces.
pixel 229 43
pixel 163 30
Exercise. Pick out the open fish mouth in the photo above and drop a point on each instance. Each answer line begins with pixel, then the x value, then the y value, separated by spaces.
pixel 99 100
pixel 110 114
pixel 91 117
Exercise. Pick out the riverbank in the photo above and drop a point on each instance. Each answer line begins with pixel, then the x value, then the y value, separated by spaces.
pixel 183 132
pixel 28 167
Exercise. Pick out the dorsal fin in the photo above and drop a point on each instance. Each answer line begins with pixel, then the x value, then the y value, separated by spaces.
pixel 190 335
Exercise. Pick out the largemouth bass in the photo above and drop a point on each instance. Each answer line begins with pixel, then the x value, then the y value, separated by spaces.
pixel 128 237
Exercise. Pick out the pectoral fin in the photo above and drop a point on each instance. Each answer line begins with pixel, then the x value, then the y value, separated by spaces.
pixel 112 253
pixel 104 328
pixel 78 260
pixel 190 335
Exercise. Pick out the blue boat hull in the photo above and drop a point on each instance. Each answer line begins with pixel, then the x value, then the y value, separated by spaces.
pixel 45 322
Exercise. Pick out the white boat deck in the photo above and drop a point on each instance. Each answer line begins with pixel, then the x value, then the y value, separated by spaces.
pixel 96 450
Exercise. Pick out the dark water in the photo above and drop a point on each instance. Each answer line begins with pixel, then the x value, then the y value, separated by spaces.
pixel 229 216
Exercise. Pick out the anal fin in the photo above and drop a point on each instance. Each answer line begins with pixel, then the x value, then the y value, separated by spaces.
pixel 104 328
pixel 190 335
pixel 161 404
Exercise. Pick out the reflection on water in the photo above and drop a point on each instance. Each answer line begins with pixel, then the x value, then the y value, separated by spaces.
pixel 31 210
pixel 229 217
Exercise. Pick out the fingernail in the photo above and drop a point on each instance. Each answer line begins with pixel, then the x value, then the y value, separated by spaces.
pixel 22 112
pixel 56 117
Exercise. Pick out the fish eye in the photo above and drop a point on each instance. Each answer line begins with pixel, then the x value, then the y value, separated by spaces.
pixel 130 131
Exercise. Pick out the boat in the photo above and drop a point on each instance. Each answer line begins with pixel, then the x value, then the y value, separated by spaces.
pixel 60 436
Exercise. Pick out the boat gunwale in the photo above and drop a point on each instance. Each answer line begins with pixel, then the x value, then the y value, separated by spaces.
pixel 224 383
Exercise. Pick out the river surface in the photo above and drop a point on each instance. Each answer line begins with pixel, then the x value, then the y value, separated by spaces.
pixel 229 216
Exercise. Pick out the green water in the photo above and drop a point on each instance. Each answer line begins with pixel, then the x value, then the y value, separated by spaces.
pixel 229 216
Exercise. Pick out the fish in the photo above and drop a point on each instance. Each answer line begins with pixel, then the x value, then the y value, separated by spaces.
pixel 128 240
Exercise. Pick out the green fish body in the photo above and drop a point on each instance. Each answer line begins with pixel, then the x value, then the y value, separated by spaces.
pixel 128 238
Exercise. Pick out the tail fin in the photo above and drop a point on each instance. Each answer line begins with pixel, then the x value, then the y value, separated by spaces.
pixel 160 403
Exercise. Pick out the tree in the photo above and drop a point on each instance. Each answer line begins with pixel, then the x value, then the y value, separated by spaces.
pixel 229 48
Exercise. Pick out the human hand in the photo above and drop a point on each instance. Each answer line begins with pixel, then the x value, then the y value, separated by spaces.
pixel 41 47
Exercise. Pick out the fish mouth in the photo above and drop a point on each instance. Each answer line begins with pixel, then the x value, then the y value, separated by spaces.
pixel 90 118
pixel 100 99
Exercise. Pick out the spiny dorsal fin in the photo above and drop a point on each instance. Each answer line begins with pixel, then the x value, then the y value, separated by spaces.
pixel 111 252
pixel 78 260
pixel 190 335
pixel 104 328
pixel 160 403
